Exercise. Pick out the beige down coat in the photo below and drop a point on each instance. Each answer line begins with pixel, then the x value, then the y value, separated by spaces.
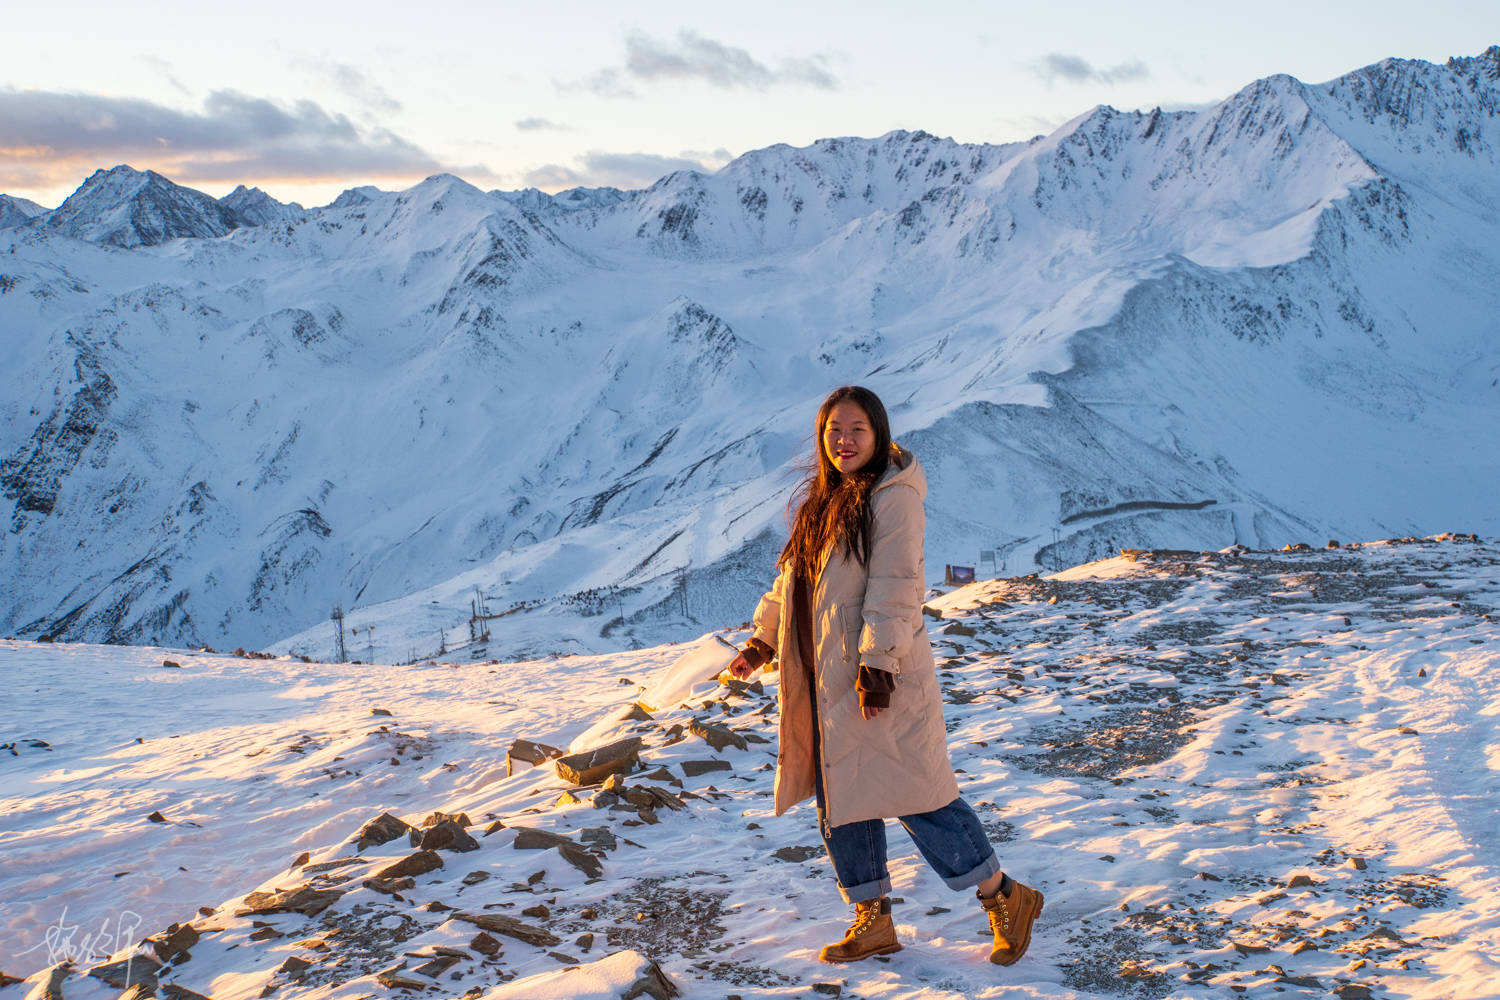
pixel 897 763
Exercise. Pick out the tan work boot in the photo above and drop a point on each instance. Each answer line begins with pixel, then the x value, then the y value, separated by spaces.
pixel 1011 918
pixel 872 933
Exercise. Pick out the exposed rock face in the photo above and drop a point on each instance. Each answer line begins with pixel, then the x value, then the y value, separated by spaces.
pixel 717 736
pixel 18 211
pixel 34 473
pixel 253 207
pixel 124 207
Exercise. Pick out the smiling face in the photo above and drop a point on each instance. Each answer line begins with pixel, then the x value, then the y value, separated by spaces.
pixel 848 437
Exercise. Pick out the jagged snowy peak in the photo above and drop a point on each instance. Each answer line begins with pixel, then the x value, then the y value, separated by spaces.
pixel 125 207
pixel 784 197
pixel 356 196
pixel 1400 114
pixel 571 200
pixel 1266 321
pixel 253 207
pixel 18 211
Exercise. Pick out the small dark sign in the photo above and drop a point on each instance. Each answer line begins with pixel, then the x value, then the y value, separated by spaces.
pixel 959 575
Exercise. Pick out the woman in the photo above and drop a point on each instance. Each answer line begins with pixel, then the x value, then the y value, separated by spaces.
pixel 861 715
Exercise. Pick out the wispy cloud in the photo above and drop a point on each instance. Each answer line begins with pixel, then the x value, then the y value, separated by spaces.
pixel 692 57
pixel 540 125
pixel 607 82
pixel 167 72
pixel 598 168
pixel 51 137
pixel 1055 66
pixel 352 82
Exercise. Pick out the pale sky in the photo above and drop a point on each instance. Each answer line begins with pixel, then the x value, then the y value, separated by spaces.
pixel 304 99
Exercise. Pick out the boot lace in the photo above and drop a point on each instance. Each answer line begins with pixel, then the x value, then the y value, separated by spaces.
pixel 864 915
pixel 999 917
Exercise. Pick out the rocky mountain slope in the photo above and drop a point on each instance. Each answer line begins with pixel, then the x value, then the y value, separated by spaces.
pixel 18 211
pixel 1268 321
pixel 1241 771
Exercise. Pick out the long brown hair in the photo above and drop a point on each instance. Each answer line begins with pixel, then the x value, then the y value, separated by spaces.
pixel 830 508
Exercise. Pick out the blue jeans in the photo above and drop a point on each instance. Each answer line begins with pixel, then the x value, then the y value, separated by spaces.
pixel 950 839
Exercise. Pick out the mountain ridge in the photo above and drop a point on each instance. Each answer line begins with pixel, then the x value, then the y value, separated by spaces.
pixel 590 412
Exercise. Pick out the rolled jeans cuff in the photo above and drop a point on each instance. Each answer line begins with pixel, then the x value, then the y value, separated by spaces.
pixel 881 887
pixel 984 870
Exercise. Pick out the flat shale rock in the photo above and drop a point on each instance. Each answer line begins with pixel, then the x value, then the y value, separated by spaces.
pixel 528 839
pixel 717 736
pixel 448 835
pixel 462 819
pixel 582 860
pixel 528 752
pixel 397 977
pixel 653 983
pixel 485 945
pixel 171 991
pixel 694 768
pixel 381 830
pixel 304 899
pixel 173 943
pixel 589 767
pixel 390 886
pixel 52 988
pixel 419 863
pixel 436 966
pixel 128 972
pixel 294 966
pixel 598 836
pixel 499 923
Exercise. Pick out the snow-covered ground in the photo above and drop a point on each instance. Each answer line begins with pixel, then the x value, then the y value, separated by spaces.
pixel 1255 773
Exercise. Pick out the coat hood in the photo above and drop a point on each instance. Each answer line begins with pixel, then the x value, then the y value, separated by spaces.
pixel 904 470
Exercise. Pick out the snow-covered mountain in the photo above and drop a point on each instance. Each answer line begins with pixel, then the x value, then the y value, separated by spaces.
pixel 533 200
pixel 18 211
pixel 125 207
pixel 1268 321
pixel 253 207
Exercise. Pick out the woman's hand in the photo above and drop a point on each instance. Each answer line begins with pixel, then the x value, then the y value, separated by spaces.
pixel 740 667
pixel 869 711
